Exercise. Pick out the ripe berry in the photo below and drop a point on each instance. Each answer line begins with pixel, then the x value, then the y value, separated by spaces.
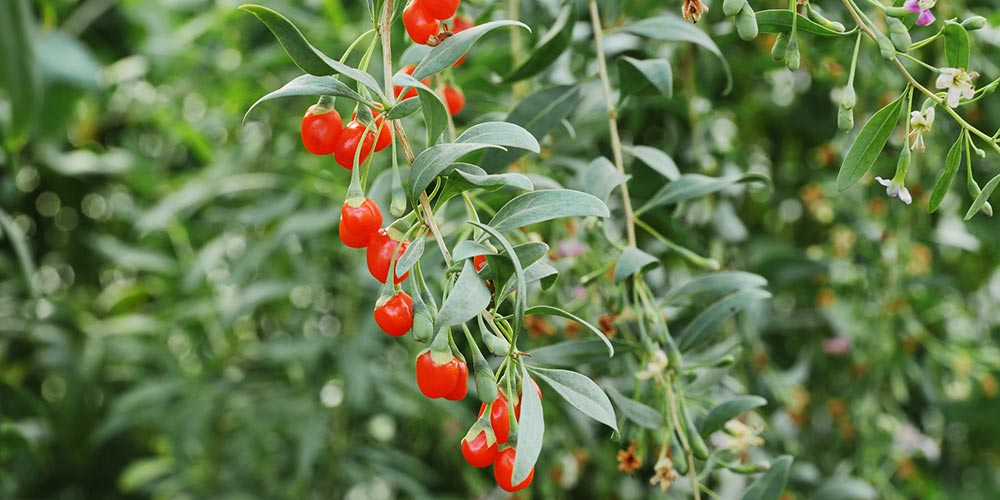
pixel 454 98
pixel 408 69
pixel 462 386
pixel 479 261
pixel 419 23
pixel 321 128
pixel 434 380
pixel 384 138
pixel 380 250
pixel 395 316
pixel 517 407
pixel 358 224
pixel 440 9
pixel 478 452
pixel 503 471
pixel 350 140
pixel 499 417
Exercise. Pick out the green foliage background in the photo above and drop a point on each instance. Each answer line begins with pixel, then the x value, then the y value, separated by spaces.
pixel 191 326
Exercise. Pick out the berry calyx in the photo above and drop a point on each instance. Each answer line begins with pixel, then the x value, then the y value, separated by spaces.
pixel 454 99
pixel 321 129
pixel 358 224
pixel 412 92
pixel 462 385
pixel 395 316
pixel 499 417
pixel 503 471
pixel 350 141
pixel 481 450
pixel 436 380
pixel 440 9
pixel 379 256
pixel 419 23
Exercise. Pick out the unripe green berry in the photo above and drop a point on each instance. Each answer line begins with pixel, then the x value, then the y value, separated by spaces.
pixel 732 7
pixel 974 23
pixel 899 35
pixel 779 47
pixel 792 55
pixel 885 46
pixel 746 23
pixel 845 119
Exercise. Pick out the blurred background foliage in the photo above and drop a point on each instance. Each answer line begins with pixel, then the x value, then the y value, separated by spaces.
pixel 179 320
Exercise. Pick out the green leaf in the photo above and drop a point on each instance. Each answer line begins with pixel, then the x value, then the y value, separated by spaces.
pixel 672 28
pixel 527 254
pixel 704 325
pixel 780 21
pixel 714 285
pixel 18 240
pixel 631 261
pixel 643 415
pixel 555 311
pixel 19 75
pixel 500 134
pixel 312 85
pixel 571 353
pixel 538 113
pixel 956 45
pixel 727 411
pixel 64 58
pixel 772 483
pixel 656 160
pixel 467 298
pixel 601 178
pixel 303 54
pixel 404 108
pixel 453 48
pixel 542 272
pixel 868 145
pixel 635 75
pixel 531 430
pixel 540 206
pixel 580 392
pixel 435 112
pixel 845 488
pixel 521 288
pixel 984 195
pixel 951 164
pixel 690 186
pixel 467 249
pixel 549 48
pixel 434 160
pixel 467 177
pixel 410 257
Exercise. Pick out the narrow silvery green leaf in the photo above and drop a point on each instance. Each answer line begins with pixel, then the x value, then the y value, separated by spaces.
pixel 19 75
pixel 454 47
pixel 531 430
pixel 845 488
pixel 466 299
pixel 410 257
pixel 780 21
pixel 868 145
pixel 435 112
pixel 634 75
pixel 956 45
pixel 983 197
pixel 601 178
pixel 12 233
pixel 581 393
pixel 727 411
pixel 434 160
pixel 656 160
pixel 500 134
pixel 772 483
pixel 550 47
pixel 539 114
pixel 467 249
pixel 315 86
pixel 521 288
pixel 468 177
pixel 643 415
pixel 555 311
pixel 708 321
pixel 951 164
pixel 714 285
pixel 570 353
pixel 541 272
pixel 672 28
pixel 540 206
pixel 690 186
pixel 631 261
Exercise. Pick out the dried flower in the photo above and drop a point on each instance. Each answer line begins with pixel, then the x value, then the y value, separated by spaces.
pixel 738 437
pixel 665 474
pixel 693 9
pixel 656 364
pixel 627 459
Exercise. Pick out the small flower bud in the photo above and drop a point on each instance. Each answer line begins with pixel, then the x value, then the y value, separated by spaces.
pixel 849 98
pixel 779 47
pixel 746 23
pixel 899 35
pixel 818 18
pixel 885 46
pixel 423 324
pixel 974 23
pixel 732 7
pixel 845 119
pixel 792 58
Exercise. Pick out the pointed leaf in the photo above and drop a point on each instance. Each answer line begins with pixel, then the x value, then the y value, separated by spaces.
pixel 580 392
pixel 672 28
pixel 715 285
pixel 983 197
pixel 868 145
pixel 772 483
pixel 555 311
pixel 540 206
pixel 727 411
pixel 690 186
pixel 435 112
pixel 434 160
pixel 656 160
pixel 601 178
pixel 780 21
pixel 633 260
pixel 410 257
pixel 704 325
pixel 531 430
pixel 550 47
pixel 538 113
pixel 634 75
pixel 467 298
pixel 313 85
pixel 500 134
pixel 454 47
pixel 951 164
pixel 643 415
pixel 956 45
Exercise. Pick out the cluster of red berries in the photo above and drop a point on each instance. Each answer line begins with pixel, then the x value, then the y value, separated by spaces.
pixel 481 446
pixel 323 133
pixel 422 19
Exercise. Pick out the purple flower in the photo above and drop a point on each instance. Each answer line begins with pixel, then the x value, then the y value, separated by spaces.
pixel 837 346
pixel 922 7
